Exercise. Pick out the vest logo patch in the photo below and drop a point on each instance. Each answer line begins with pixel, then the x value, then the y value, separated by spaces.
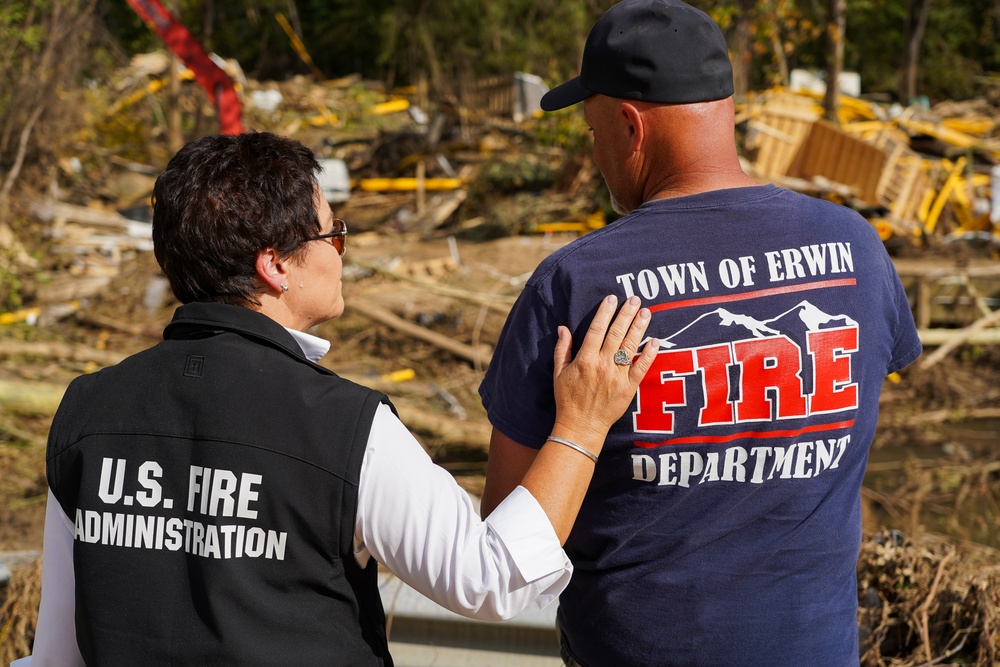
pixel 194 366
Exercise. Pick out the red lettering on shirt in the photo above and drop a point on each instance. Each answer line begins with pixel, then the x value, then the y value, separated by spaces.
pixel 768 373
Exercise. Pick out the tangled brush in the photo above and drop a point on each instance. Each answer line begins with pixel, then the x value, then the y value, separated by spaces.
pixel 922 604
pixel 19 611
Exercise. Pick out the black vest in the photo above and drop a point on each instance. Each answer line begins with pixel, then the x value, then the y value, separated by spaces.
pixel 213 481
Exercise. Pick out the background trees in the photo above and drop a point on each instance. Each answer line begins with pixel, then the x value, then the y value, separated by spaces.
pixel 901 48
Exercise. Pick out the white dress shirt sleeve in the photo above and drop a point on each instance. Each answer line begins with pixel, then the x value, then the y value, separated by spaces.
pixel 55 634
pixel 415 519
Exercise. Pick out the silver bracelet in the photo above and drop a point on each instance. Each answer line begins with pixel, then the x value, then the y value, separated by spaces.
pixel 573 445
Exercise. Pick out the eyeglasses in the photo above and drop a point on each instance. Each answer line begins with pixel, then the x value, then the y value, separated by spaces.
pixel 338 237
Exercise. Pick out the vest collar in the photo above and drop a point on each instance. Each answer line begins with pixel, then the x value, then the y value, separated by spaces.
pixel 200 318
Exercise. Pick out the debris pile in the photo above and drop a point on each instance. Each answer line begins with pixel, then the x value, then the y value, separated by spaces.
pixel 922 603
pixel 915 173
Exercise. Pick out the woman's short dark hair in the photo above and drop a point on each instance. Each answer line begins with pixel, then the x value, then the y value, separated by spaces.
pixel 220 201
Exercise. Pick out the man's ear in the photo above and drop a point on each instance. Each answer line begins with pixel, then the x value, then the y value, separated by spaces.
pixel 271 269
pixel 633 122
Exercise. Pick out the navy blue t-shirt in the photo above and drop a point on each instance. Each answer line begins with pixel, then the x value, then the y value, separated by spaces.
pixel 723 522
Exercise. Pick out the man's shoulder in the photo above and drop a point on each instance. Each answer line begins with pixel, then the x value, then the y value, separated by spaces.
pixel 576 258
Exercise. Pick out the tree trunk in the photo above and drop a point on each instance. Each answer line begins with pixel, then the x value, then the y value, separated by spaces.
pixel 996 17
pixel 430 56
pixel 175 130
pixel 916 23
pixel 779 48
pixel 208 23
pixel 835 28
pixel 742 52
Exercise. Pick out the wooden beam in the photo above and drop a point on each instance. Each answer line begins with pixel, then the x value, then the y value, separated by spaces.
pixel 968 334
pixel 480 356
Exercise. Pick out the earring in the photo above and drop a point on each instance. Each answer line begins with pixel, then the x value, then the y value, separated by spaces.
pixel 284 287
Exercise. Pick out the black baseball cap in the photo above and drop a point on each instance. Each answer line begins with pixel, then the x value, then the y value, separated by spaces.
pixel 662 51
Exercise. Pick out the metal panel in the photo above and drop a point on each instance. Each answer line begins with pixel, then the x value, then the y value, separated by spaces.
pixel 422 634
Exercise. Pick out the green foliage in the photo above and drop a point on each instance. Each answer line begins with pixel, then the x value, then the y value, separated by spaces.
pixel 507 176
pixel 876 43
pixel 956 42
pixel 20 37
pixel 450 41
pixel 128 29
pixel 565 129
pixel 10 283
pixel 960 42
pixel 14 33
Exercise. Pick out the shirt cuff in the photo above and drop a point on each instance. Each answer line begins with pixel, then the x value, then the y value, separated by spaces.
pixel 529 538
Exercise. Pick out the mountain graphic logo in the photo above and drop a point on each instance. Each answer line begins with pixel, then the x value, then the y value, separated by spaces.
pixel 724 326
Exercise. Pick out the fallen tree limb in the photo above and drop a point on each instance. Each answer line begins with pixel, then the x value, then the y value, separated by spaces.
pixel 22 146
pixel 477 355
pixel 941 416
pixel 500 304
pixel 101 322
pixel 959 337
pixel 59 352
pixel 925 607
pixel 42 398
pixel 49 209
pixel 35 398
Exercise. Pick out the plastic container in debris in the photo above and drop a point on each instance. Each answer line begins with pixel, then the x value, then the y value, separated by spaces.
pixel 334 180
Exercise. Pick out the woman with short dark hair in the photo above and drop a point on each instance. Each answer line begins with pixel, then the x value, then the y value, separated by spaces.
pixel 222 499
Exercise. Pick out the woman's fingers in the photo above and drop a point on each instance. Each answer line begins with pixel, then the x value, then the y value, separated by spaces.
pixel 606 337
pixel 642 363
pixel 630 319
pixel 594 339
pixel 593 389
pixel 563 352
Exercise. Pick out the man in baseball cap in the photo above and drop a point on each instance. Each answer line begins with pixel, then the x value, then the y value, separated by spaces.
pixel 662 51
pixel 723 522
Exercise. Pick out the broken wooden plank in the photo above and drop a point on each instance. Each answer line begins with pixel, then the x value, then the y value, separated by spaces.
pixel 436 215
pixel 48 209
pixel 480 356
pixel 939 336
pixel 71 288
